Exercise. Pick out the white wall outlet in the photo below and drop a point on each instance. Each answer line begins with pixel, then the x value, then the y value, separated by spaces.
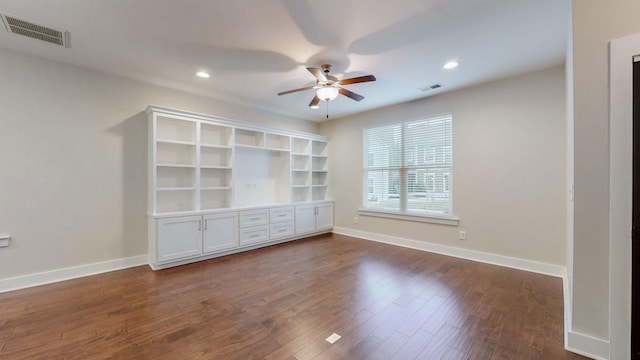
pixel 355 220
pixel 4 240
pixel 463 235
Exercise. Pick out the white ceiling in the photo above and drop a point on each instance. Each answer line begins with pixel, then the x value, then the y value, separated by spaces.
pixel 257 48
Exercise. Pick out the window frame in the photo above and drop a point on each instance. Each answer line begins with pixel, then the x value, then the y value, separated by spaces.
pixel 420 169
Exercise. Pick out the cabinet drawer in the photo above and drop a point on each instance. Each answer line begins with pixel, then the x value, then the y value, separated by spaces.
pixel 281 230
pixel 253 218
pixel 254 235
pixel 281 214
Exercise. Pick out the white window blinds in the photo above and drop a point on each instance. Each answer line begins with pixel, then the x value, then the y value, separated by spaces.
pixel 407 167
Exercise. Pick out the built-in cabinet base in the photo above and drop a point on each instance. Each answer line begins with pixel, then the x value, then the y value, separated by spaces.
pixel 180 239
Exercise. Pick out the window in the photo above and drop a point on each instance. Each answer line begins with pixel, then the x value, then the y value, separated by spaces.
pixel 407 167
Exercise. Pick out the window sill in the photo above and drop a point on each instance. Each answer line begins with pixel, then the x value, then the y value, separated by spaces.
pixel 449 220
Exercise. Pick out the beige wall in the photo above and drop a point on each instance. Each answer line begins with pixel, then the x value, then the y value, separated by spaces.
pixel 509 167
pixel 73 147
pixel 595 23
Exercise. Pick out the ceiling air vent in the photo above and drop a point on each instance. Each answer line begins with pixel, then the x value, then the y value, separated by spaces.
pixel 27 28
pixel 430 87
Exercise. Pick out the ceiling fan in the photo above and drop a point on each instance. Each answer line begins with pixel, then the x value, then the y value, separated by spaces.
pixel 328 87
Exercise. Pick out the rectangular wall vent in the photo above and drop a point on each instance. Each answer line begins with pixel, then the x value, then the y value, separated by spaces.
pixel 430 87
pixel 40 32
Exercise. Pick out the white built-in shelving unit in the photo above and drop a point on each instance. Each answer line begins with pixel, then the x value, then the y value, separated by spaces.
pixel 205 173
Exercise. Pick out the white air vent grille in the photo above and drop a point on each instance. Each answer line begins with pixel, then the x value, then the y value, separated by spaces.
pixel 26 28
pixel 430 87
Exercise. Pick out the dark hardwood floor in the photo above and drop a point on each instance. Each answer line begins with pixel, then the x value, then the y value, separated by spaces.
pixel 282 302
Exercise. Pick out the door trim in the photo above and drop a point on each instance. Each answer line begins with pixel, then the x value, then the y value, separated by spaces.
pixel 621 53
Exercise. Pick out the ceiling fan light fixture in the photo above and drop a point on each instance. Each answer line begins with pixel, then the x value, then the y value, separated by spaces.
pixel 316 106
pixel 327 93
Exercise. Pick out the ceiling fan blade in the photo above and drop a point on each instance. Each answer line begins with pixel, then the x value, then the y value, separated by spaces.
pixel 314 102
pixel 319 74
pixel 359 79
pixel 296 90
pixel 350 94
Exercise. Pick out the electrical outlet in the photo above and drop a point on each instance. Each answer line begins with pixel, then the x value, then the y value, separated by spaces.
pixel 463 235
pixel 355 220
pixel 4 240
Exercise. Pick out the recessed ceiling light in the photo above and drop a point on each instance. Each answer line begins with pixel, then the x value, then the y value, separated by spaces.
pixel 451 65
pixel 203 74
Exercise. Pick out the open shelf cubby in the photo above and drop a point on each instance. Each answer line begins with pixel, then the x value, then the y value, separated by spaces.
pixel 216 135
pixel 319 178
pixel 278 142
pixel 175 154
pixel 299 178
pixel 212 156
pixel 299 162
pixel 175 200
pixel 319 148
pixel 211 177
pixel 300 146
pixel 318 193
pixel 215 199
pixel 249 137
pixel 319 163
pixel 300 194
pixel 175 177
pixel 169 129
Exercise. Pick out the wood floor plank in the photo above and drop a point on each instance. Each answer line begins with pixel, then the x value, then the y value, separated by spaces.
pixel 281 302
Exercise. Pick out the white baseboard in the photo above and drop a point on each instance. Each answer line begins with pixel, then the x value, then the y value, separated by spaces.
pixel 587 346
pixel 47 277
pixel 506 261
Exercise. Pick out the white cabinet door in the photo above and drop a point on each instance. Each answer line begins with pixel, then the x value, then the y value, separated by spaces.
pixel 324 216
pixel 305 218
pixel 179 237
pixel 220 232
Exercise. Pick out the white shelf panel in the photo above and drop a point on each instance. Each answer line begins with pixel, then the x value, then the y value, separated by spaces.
pixel 261 148
pixel 216 146
pixel 211 188
pixel 216 167
pixel 176 188
pixel 176 142
pixel 176 165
